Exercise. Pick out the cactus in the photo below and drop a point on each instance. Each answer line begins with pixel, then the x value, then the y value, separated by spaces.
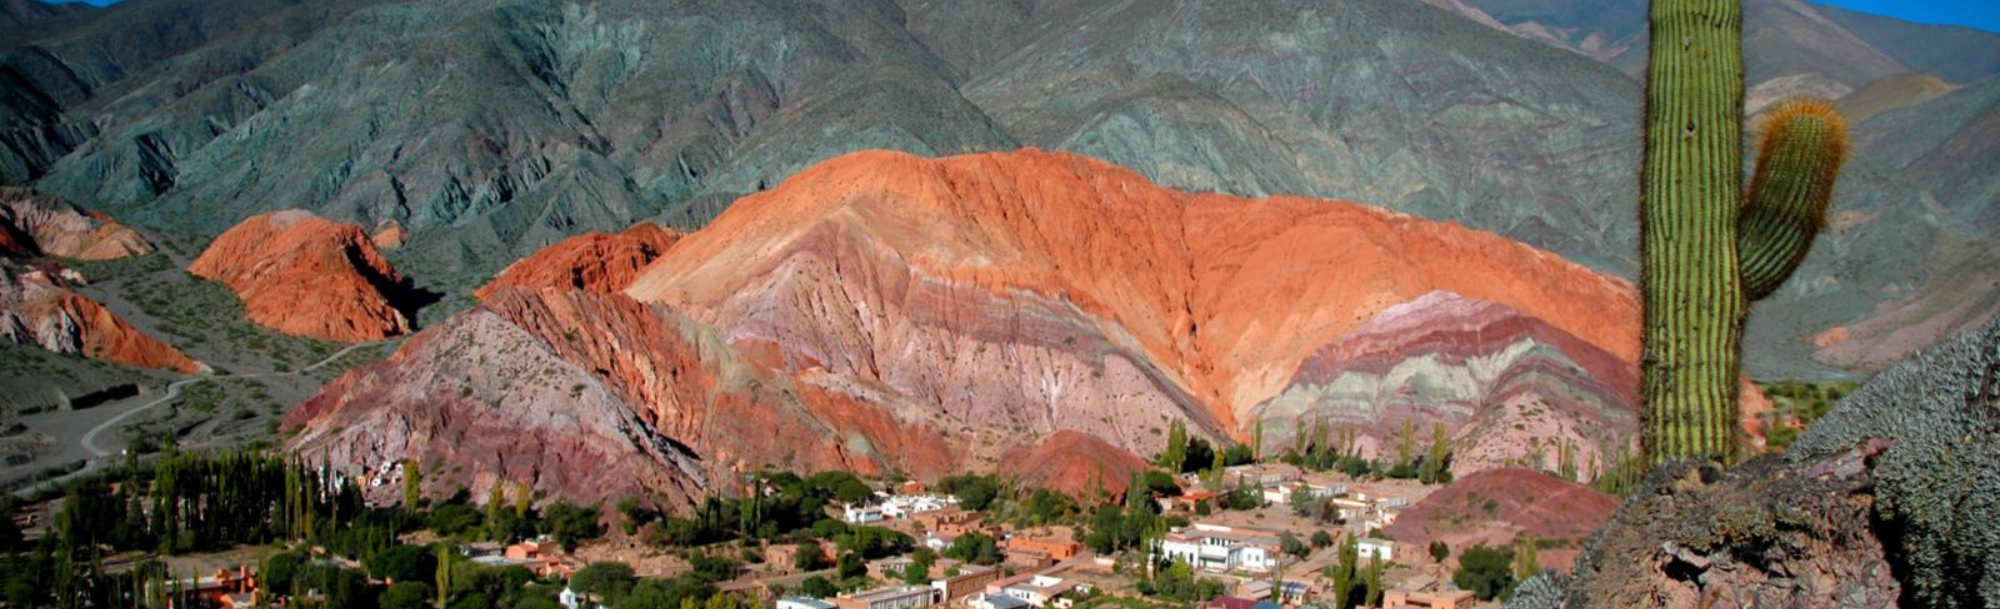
pixel 1707 247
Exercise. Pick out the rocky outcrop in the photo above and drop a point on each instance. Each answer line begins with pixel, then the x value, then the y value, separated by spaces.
pixel 304 275
pixel 593 261
pixel 1496 507
pixel 37 309
pixel 1885 501
pixel 32 224
pixel 1077 464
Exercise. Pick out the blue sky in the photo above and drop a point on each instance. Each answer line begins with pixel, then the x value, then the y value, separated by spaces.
pixel 1982 14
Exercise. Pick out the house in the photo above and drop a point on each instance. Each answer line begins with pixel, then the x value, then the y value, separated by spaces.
pixel 1035 589
pixel 860 513
pixel 949 521
pixel 994 601
pixel 1381 549
pixel 970 579
pixel 893 597
pixel 1221 548
pixel 905 506
pixel 1030 554
pixel 912 488
pixel 803 602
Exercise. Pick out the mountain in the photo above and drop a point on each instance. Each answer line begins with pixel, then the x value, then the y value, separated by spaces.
pixel 306 276
pixel 474 133
pixel 927 315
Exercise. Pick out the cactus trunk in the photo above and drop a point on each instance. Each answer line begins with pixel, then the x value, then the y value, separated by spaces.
pixel 1690 191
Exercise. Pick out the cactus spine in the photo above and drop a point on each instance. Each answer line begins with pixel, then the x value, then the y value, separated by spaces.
pixel 1707 247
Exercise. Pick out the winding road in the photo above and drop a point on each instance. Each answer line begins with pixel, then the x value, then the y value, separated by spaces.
pixel 89 439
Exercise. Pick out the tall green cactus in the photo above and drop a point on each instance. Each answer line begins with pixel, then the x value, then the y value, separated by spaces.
pixel 1708 247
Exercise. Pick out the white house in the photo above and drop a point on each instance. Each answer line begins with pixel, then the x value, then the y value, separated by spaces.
pixel 1222 548
pixel 1382 549
pixel 859 513
pixel 994 601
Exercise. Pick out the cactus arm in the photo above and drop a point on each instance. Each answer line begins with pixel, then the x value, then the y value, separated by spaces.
pixel 1690 191
pixel 1798 160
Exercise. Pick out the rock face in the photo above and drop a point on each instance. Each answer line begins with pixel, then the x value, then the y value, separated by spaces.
pixel 1077 464
pixel 1494 507
pixel 36 309
pixel 32 224
pixel 593 262
pixel 304 275
pixel 1885 501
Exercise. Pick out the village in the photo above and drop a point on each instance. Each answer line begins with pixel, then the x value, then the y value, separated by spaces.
pixel 1275 535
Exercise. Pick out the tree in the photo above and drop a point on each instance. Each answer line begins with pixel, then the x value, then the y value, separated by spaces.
pixel 1373 578
pixel 1486 572
pixel 1176 451
pixel 443 573
pixel 413 484
pixel 1321 539
pixel 851 567
pixel 571 524
pixel 1440 551
pixel 1344 575
pixel 974 547
pixel 810 557
pixel 454 519
pixel 407 595
pixel 817 587
pixel 1406 444
pixel 635 515
pixel 401 563
pixel 1526 561
pixel 1291 544
pixel 1257 440
pixel 1434 470
pixel 607 580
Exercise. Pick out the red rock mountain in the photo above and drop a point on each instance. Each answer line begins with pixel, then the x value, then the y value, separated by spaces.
pixel 32 224
pixel 1495 506
pixel 304 275
pixel 593 261
pixel 885 312
pixel 37 309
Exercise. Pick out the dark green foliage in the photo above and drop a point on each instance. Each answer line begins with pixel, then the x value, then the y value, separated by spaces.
pixel 1291 544
pixel 1321 539
pixel 873 542
pixel 1440 551
pixel 407 595
pixel 850 567
pixel 1486 572
pixel 975 492
pixel 810 557
pixel 453 519
pixel 402 563
pixel 712 569
pixel 818 587
pixel 571 524
pixel 608 579
pixel 974 547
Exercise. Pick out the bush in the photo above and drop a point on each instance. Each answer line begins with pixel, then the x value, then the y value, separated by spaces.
pixel 402 563
pixel 1487 572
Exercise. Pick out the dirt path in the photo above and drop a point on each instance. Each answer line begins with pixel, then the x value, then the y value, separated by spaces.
pixel 89 439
